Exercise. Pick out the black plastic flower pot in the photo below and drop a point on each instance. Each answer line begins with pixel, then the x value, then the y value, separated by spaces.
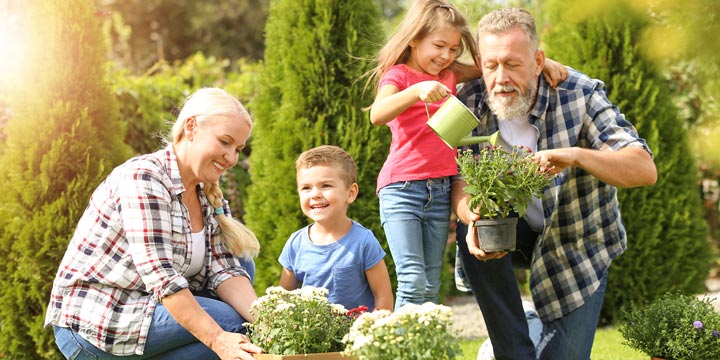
pixel 496 234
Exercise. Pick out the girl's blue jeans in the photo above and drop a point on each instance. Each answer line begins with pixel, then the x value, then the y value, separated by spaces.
pixel 166 339
pixel 416 217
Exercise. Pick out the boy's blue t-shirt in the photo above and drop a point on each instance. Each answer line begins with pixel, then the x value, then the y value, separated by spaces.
pixel 339 267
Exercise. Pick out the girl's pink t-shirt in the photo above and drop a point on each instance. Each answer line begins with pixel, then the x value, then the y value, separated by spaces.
pixel 416 152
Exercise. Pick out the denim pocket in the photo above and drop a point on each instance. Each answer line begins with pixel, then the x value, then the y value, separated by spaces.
pixel 68 343
pixel 397 186
pixel 82 354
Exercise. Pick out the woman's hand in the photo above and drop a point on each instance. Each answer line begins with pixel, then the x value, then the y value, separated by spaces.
pixel 233 346
pixel 183 307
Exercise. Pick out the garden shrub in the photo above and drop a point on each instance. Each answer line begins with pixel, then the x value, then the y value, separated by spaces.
pixel 309 94
pixel 60 142
pixel 664 223
pixel 674 326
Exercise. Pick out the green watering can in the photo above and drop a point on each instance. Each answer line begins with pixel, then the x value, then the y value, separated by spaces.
pixel 453 121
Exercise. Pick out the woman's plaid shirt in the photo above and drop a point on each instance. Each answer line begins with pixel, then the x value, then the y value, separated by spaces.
pixel 128 252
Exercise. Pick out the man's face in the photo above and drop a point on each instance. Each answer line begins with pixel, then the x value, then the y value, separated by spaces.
pixel 510 66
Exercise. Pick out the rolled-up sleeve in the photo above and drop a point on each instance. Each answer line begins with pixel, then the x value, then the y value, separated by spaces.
pixel 609 128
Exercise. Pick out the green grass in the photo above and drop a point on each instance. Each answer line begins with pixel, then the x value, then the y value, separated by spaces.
pixel 607 346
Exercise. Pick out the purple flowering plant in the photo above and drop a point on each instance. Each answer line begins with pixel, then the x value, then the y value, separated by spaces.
pixel 675 326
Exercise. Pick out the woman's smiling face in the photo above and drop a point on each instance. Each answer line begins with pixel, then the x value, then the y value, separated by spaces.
pixel 214 146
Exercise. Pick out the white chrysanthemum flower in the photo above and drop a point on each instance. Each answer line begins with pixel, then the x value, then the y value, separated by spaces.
pixel 285 306
pixel 274 290
pixel 339 308
pixel 412 329
pixel 362 340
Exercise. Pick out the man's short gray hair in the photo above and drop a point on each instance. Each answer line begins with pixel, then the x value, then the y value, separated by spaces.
pixel 502 20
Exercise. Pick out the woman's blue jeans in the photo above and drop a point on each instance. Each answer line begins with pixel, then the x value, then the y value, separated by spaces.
pixel 416 217
pixel 166 338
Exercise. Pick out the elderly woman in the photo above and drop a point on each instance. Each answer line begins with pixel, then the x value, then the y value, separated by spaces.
pixel 157 268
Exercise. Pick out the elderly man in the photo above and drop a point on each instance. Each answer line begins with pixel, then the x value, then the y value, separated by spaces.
pixel 569 237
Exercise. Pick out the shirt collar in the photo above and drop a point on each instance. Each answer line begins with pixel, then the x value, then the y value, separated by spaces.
pixel 173 170
pixel 538 111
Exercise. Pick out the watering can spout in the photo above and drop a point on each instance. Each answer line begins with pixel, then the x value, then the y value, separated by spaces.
pixel 470 140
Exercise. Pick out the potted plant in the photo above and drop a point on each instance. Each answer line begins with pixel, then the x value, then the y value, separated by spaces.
pixel 418 332
pixel 298 324
pixel 674 326
pixel 501 183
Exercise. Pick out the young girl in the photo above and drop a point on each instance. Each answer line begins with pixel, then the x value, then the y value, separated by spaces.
pixel 416 71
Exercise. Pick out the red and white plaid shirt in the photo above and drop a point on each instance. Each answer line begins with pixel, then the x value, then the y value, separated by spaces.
pixel 129 250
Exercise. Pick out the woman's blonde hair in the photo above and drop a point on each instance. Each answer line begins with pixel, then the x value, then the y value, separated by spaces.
pixel 424 17
pixel 205 104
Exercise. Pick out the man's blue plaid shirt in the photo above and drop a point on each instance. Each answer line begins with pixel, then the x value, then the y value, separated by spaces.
pixel 583 230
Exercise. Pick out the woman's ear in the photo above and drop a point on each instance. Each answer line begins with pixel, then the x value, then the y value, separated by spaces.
pixel 189 128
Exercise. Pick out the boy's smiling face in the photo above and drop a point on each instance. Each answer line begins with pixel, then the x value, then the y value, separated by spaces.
pixel 324 196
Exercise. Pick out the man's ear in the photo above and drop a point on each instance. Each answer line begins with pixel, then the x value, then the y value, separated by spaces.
pixel 539 61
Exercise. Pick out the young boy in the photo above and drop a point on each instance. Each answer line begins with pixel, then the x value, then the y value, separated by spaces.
pixel 334 251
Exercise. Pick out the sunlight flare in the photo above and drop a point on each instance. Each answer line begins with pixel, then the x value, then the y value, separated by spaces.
pixel 12 44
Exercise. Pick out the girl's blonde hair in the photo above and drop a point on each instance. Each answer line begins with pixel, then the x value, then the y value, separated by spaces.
pixel 205 105
pixel 423 17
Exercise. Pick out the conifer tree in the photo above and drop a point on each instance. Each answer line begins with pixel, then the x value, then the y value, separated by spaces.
pixel 60 142
pixel 310 94
pixel 668 247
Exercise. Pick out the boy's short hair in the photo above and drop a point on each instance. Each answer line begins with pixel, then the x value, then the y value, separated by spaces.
pixel 330 155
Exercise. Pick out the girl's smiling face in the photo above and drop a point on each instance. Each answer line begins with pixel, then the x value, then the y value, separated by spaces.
pixel 435 52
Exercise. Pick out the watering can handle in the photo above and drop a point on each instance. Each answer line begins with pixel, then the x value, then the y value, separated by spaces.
pixel 427 111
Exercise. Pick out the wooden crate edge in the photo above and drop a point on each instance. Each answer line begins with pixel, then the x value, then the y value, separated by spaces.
pixel 318 356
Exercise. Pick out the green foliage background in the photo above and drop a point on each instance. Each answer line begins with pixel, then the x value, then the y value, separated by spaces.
pixel 64 125
pixel 60 143
pixel 309 94
pixel 668 247
pixel 173 30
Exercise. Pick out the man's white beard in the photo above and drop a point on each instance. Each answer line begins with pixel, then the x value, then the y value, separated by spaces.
pixel 515 106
